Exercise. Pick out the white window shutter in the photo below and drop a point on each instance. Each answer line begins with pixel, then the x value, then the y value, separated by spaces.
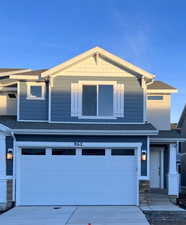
pixel 119 100
pixel 75 100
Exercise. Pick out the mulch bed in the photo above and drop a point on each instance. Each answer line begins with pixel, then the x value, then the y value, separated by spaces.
pixel 166 217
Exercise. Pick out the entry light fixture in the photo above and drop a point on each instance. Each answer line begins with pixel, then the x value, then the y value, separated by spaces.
pixel 9 154
pixel 144 155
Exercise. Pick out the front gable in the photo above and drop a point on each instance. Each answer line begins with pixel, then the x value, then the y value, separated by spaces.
pixel 95 61
pixel 94 65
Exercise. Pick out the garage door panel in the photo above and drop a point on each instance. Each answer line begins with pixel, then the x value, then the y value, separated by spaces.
pixel 77 180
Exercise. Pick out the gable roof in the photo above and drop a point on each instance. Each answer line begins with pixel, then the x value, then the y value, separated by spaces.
pixel 9 71
pixel 99 52
pixel 159 86
pixel 2 70
pixel 32 72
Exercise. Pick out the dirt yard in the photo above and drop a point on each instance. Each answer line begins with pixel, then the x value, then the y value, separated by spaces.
pixel 166 218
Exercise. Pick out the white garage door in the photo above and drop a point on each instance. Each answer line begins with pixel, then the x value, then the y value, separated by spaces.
pixel 77 177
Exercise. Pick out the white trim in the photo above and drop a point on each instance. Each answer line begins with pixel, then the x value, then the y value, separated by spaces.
pixel 18 100
pixel 83 144
pixel 157 140
pixel 85 132
pixel 144 100
pixel 118 93
pixel 98 117
pixel 83 122
pixel 43 90
pixel 14 169
pixel 105 145
pixel 24 77
pixel 148 158
pixel 33 121
pixel 103 53
pixel 159 91
pixel 162 168
pixel 49 100
pixel 16 71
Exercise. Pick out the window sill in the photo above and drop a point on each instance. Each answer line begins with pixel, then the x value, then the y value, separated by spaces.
pixel 35 98
pixel 98 117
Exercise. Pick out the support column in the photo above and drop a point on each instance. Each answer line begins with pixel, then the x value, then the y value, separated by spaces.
pixel 3 181
pixel 173 177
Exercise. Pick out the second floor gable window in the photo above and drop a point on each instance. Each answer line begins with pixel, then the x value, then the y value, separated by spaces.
pixel 97 99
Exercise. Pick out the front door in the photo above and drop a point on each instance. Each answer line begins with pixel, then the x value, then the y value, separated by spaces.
pixel 155 166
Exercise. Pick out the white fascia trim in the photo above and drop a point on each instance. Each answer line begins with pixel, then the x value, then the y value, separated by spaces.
pixel 49 99
pixel 83 122
pixel 167 139
pixel 18 101
pixel 103 53
pixel 85 132
pixel 14 72
pixel 34 121
pixel 84 144
pixel 159 91
pixel 24 77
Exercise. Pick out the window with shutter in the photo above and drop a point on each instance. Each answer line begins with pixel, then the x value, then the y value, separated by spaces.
pixel 97 99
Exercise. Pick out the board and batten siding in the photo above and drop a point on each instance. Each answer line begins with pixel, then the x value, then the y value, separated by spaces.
pixel 61 99
pixel 32 109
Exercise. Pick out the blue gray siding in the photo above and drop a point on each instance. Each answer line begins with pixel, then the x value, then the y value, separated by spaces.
pixel 32 109
pixel 9 163
pixel 61 99
pixel 70 138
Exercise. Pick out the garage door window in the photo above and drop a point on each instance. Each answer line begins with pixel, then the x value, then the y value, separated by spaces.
pixel 122 152
pixel 93 152
pixel 63 151
pixel 33 151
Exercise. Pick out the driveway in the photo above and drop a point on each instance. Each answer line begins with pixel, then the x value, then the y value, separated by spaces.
pixel 72 215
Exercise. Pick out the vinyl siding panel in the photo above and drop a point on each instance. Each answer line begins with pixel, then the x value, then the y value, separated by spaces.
pixel 61 99
pixel 32 109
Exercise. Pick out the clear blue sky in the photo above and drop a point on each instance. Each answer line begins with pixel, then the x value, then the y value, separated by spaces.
pixel 149 34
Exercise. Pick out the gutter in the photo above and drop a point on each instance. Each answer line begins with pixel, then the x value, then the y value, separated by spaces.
pixel 86 132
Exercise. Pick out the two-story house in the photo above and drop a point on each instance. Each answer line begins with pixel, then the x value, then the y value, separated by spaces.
pixel 94 130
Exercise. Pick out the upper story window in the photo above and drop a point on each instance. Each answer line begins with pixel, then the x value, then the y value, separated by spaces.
pixel 35 91
pixel 155 97
pixel 97 99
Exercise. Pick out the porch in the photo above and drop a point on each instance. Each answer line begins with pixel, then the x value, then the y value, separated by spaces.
pixel 161 190
pixel 158 200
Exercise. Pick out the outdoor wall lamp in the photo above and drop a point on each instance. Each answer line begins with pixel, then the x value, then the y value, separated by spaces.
pixel 144 155
pixel 9 154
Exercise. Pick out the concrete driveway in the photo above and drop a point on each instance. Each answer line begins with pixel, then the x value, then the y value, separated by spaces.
pixel 72 215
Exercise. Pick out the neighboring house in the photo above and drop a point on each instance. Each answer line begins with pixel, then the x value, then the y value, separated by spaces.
pixel 94 130
pixel 182 127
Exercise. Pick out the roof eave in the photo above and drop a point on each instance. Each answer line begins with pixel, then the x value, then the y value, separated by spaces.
pixel 98 50
pixel 85 132
pixel 166 91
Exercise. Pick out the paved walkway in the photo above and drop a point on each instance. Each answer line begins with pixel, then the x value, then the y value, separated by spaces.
pixel 81 215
